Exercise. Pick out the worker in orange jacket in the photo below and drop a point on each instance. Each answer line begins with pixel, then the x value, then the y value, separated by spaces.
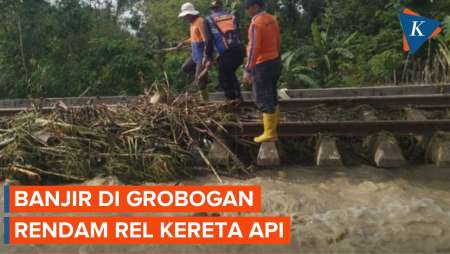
pixel 194 64
pixel 263 66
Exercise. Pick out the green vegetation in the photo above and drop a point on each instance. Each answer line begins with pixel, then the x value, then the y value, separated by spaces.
pixel 71 48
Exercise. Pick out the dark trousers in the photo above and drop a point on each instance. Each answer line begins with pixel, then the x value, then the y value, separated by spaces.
pixel 228 63
pixel 265 78
pixel 190 67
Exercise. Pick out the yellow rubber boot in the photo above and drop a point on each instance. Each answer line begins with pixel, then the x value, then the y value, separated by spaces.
pixel 277 113
pixel 270 134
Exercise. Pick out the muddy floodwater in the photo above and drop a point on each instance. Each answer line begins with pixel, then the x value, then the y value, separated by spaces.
pixel 341 210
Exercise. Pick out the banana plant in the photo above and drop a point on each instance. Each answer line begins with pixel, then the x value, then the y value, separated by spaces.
pixel 446 26
pixel 295 71
pixel 316 64
pixel 444 41
pixel 443 45
pixel 327 50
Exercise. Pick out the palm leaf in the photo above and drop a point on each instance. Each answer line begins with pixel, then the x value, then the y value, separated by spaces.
pixel 444 50
pixel 287 59
pixel 446 28
pixel 308 80
pixel 300 68
pixel 344 52
pixel 316 36
pixel 328 62
pixel 350 38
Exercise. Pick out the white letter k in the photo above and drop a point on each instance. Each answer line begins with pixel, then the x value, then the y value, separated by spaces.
pixel 416 27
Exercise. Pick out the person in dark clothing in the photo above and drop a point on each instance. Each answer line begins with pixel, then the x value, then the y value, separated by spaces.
pixel 222 37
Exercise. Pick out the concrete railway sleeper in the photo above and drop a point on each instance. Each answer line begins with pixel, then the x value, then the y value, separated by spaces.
pixel 437 147
pixel 382 150
pixel 379 138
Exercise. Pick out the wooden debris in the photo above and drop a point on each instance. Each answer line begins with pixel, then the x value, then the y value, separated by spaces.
pixel 136 142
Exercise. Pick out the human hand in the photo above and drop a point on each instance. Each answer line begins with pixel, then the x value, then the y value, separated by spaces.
pixel 247 78
pixel 207 63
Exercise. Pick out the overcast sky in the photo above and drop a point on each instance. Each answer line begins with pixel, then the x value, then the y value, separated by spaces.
pixel 93 3
pixel 104 3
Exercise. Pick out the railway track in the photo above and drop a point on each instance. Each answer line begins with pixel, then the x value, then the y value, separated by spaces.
pixel 419 95
pixel 382 134
pixel 419 101
pixel 357 91
pixel 378 139
pixel 342 128
pixel 292 105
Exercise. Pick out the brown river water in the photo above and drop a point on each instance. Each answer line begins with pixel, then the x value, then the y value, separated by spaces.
pixel 341 210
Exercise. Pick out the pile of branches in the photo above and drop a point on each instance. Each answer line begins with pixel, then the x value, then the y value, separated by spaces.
pixel 137 142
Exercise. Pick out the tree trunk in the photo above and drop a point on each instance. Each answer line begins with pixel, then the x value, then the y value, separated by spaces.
pixel 22 50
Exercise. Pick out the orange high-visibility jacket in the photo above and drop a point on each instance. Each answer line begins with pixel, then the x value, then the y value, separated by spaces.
pixel 197 39
pixel 222 32
pixel 264 40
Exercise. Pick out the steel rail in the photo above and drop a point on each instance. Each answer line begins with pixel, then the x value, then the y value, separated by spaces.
pixel 434 100
pixel 14 111
pixel 418 90
pixel 344 128
pixel 69 101
pixel 422 89
pixel 12 107
pixel 419 101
